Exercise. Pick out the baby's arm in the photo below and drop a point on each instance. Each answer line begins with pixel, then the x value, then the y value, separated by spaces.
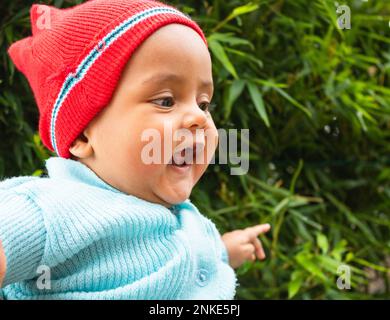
pixel 3 264
pixel 22 236
pixel 243 245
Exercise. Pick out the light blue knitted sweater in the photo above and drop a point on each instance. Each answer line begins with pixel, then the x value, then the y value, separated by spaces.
pixel 99 243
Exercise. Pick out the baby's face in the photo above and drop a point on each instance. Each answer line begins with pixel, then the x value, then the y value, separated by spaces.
pixel 144 100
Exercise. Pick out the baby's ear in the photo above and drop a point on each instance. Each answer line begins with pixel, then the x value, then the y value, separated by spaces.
pixel 81 148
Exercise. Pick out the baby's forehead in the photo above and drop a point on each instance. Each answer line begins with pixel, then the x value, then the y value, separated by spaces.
pixel 176 32
pixel 179 62
pixel 181 49
pixel 169 77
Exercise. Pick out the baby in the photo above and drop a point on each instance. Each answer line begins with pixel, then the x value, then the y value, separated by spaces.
pixel 105 224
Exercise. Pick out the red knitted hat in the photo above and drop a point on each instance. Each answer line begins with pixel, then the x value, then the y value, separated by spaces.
pixel 75 57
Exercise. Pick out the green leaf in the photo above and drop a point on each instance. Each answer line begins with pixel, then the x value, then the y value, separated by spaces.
pixel 37 173
pixel 307 262
pixel 295 283
pixel 339 249
pixel 219 52
pixel 257 99
pixel 247 57
pixel 294 102
pixel 295 176
pixel 322 242
pixel 281 206
pixel 249 7
pixel 229 38
pixel 234 90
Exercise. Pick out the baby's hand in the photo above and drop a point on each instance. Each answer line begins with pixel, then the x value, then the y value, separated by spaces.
pixel 243 245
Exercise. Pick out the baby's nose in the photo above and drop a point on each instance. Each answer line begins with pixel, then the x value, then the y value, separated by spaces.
pixel 195 117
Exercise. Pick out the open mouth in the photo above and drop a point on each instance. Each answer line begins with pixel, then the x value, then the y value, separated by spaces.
pixel 183 158
pixel 186 156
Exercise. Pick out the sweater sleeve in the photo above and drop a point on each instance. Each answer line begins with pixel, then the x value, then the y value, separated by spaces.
pixel 23 235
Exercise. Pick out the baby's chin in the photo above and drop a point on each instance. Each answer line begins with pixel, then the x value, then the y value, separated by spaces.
pixel 172 195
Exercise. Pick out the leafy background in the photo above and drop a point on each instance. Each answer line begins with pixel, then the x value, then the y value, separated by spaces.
pixel 317 102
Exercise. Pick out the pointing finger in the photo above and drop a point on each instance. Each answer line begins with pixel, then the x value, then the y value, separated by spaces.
pixel 254 231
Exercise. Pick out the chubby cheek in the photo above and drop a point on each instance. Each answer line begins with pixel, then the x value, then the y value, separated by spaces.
pixel 136 163
pixel 211 140
pixel 145 167
pixel 121 151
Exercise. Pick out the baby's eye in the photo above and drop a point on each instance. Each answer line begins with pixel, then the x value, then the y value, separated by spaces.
pixel 168 103
pixel 165 106
pixel 207 106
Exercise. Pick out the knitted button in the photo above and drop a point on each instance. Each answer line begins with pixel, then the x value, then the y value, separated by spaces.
pixel 202 277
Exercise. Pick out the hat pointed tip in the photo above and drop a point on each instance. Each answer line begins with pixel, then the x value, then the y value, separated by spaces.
pixel 42 16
